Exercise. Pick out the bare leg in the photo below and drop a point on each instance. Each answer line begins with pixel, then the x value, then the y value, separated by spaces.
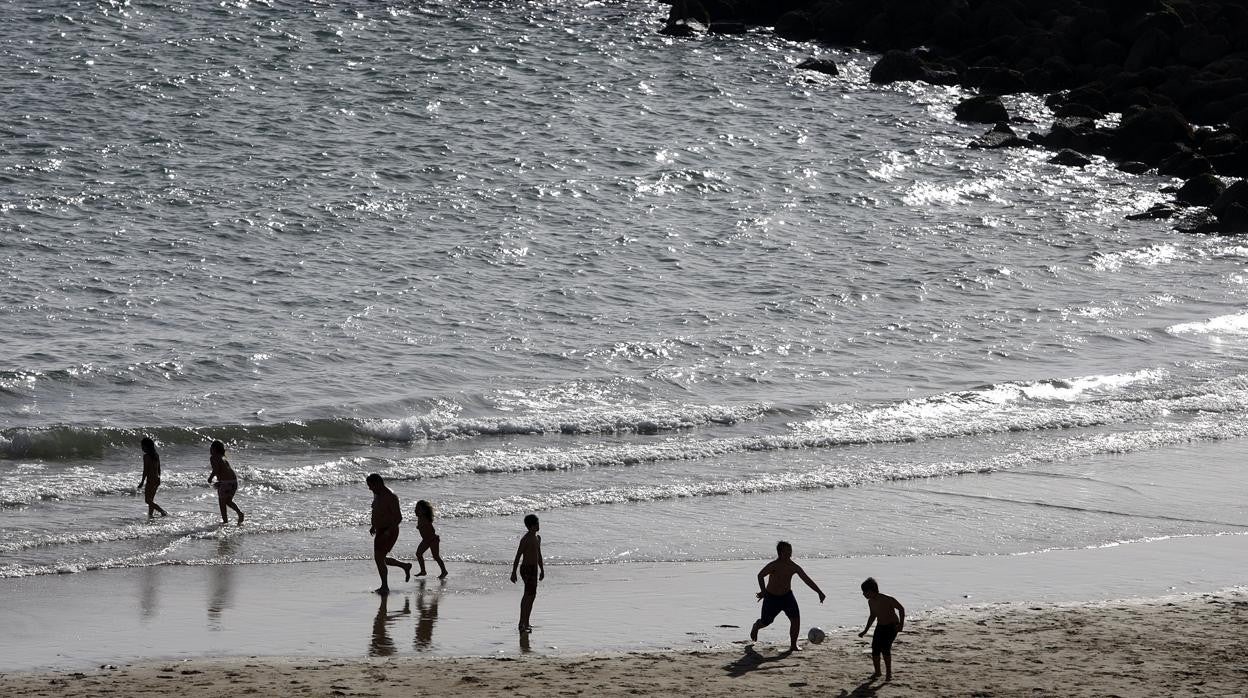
pixel 875 660
pixel 888 666
pixel 526 605
pixel 420 557
pixel 233 506
pixel 382 544
pixel 437 557
pixel 795 628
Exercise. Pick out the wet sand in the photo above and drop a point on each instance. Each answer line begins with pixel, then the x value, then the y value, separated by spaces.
pixel 1191 645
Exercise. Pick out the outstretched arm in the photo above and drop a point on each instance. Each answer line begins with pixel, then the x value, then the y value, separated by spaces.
pixel 810 583
pixel 870 620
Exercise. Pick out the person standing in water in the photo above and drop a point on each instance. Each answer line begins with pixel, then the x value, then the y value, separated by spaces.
pixel 532 570
pixel 150 481
pixel 429 539
pixel 387 515
pixel 227 481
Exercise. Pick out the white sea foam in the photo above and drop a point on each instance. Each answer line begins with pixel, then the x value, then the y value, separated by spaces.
pixel 1235 325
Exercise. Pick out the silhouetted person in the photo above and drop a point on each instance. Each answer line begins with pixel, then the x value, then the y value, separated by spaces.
pixel 890 618
pixel 150 481
pixel 385 530
pixel 429 539
pixel 777 593
pixel 227 481
pixel 529 561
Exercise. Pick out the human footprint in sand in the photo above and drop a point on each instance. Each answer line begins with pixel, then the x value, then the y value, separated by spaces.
pixel 385 530
pixel 777 593
pixel 891 617
pixel 150 481
pixel 429 539
pixel 227 481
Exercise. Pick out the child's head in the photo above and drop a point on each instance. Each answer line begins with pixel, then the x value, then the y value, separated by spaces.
pixel 217 448
pixel 784 549
pixel 374 481
pixel 148 446
pixel 425 509
pixel 530 522
pixel 870 588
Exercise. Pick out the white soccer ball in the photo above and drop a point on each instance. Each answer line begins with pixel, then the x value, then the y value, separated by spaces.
pixel 816 635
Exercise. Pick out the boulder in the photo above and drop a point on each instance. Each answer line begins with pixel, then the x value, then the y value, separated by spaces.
pixel 1150 49
pixel 1070 158
pixel 1232 164
pixel 1078 110
pixel 1134 167
pixel 995 81
pixel 796 26
pixel 677 29
pixel 1157 212
pixel 726 28
pixel 1237 193
pixel 819 65
pixel 1234 220
pixel 984 109
pixel 1149 130
pixel 1201 190
pixel 897 66
pixel 1211 143
pixel 1184 163
pixel 1000 136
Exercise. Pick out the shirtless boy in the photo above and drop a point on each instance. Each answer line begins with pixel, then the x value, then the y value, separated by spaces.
pixel 529 561
pixel 227 481
pixel 385 530
pixel 891 617
pixel 777 593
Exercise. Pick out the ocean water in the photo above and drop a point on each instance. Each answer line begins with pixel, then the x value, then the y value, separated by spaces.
pixel 676 296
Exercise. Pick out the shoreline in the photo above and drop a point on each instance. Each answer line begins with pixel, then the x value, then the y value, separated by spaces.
pixel 1186 645
pixel 176 613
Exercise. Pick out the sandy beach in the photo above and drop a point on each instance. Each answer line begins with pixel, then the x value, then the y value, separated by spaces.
pixel 1191 645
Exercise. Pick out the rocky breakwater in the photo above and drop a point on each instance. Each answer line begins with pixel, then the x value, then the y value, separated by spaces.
pixel 1176 70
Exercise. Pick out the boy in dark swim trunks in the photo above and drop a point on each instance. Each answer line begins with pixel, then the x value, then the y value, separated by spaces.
pixel 529 561
pixel 892 618
pixel 777 593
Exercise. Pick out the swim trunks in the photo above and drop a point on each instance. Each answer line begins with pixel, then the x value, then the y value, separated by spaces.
pixel 226 488
pixel 529 574
pixel 882 640
pixel 773 605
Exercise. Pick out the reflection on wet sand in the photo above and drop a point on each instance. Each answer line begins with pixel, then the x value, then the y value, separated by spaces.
pixel 381 645
pixel 147 593
pixel 220 596
pixel 427 610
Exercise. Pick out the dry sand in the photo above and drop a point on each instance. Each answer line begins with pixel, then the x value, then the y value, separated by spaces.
pixel 1194 645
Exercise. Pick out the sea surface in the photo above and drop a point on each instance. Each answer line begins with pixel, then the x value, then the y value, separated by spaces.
pixel 677 297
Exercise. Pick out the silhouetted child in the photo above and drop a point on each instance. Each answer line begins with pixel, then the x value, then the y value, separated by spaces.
pixel 889 617
pixel 227 480
pixel 529 560
pixel 429 540
pixel 150 480
pixel 386 517
pixel 777 593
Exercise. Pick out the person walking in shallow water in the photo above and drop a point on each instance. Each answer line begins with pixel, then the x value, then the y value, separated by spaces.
pixel 150 481
pixel 227 481
pixel 387 515
pixel 429 539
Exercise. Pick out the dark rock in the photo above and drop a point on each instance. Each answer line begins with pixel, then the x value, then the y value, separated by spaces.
pixel 1201 190
pixel 1072 132
pixel 1151 48
pixel 677 29
pixel 1232 164
pixel 1157 212
pixel 897 66
pixel 1079 110
pixel 1070 158
pixel 1150 134
pixel 796 26
pixel 1198 47
pixel 1184 163
pixel 1237 193
pixel 984 109
pixel 819 65
pixel 1000 136
pixel 1199 222
pixel 996 81
pixel 726 28
pixel 1091 95
pixel 1134 167
pixel 1212 143
pixel 1234 219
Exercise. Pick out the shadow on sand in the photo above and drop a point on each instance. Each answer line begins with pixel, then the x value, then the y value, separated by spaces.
pixel 866 688
pixel 753 661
